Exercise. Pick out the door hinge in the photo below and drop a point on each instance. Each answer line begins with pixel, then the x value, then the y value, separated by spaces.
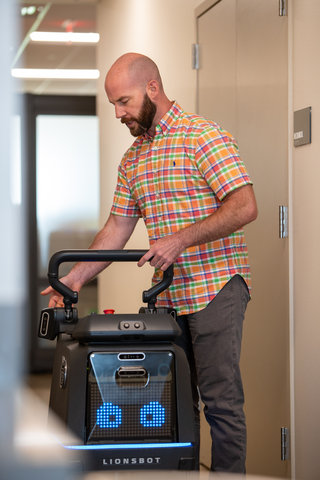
pixel 195 56
pixel 282 8
pixel 283 222
pixel 284 443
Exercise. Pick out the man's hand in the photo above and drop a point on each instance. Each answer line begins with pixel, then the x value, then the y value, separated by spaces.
pixel 164 252
pixel 56 299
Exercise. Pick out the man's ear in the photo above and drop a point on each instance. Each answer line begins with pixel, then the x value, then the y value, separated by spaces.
pixel 153 89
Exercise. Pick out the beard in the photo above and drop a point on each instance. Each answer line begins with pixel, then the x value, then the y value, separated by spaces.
pixel 144 119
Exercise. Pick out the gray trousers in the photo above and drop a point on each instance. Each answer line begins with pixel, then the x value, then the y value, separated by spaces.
pixel 211 339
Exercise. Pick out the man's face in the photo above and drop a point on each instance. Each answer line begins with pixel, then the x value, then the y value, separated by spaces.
pixel 132 106
pixel 142 122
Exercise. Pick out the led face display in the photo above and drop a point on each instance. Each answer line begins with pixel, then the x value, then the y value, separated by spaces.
pixel 131 401
pixel 110 416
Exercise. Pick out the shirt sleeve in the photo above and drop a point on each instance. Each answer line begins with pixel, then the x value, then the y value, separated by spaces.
pixel 218 160
pixel 124 204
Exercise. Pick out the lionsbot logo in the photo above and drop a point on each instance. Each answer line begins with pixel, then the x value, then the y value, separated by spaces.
pixel 131 461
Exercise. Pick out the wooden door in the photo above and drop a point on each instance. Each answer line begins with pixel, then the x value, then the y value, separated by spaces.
pixel 243 86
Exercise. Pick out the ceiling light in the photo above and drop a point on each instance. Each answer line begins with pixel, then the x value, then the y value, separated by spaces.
pixel 56 73
pixel 64 37
pixel 28 10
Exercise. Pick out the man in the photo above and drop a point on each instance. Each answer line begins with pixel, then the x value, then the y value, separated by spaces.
pixel 184 176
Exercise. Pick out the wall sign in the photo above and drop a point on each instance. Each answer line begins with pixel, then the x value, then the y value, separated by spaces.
pixel 302 127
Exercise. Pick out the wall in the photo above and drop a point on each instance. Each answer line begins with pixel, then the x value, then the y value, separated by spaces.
pixel 164 33
pixel 306 233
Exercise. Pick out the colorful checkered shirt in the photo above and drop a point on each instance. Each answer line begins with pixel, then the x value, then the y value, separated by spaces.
pixel 177 178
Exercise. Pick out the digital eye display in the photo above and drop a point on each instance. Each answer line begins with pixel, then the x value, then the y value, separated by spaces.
pixel 109 416
pixel 152 415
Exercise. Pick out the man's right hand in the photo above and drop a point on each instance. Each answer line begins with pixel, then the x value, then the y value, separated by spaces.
pixel 56 299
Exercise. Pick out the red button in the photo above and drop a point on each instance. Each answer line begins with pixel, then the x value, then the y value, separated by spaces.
pixel 107 312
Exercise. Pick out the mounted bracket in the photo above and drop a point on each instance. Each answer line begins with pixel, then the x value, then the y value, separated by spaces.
pixel 282 8
pixel 284 443
pixel 283 222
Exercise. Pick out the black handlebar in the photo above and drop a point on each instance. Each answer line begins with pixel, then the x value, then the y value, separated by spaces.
pixel 71 297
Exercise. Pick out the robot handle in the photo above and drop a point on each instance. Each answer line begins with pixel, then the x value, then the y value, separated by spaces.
pixel 71 297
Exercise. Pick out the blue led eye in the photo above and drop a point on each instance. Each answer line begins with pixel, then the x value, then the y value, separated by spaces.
pixel 152 415
pixel 109 416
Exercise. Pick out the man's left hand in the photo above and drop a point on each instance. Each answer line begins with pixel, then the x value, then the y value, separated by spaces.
pixel 163 252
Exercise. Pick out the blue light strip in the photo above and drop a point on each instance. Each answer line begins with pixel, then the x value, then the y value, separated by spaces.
pixel 127 446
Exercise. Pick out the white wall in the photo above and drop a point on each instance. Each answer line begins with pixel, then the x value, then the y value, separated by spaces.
pixel 306 237
pixel 164 31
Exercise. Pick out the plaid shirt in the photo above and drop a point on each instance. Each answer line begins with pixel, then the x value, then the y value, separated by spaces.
pixel 177 178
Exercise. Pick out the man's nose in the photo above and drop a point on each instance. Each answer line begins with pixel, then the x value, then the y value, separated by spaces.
pixel 119 111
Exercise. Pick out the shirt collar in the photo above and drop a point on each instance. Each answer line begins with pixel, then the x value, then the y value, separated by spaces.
pixel 168 120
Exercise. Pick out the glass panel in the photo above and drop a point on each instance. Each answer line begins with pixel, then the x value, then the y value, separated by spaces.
pixel 67 150
pixel 67 170
pixel 131 397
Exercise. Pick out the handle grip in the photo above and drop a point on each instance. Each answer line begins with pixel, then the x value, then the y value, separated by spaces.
pixel 71 297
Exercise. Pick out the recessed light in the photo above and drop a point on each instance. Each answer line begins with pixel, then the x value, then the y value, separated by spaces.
pixel 64 37
pixel 55 73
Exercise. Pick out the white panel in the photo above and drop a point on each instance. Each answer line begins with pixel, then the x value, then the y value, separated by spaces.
pixel 67 181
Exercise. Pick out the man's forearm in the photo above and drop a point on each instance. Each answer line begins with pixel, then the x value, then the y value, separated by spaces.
pixel 239 210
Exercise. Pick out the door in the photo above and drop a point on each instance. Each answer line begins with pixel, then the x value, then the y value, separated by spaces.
pixel 63 160
pixel 243 86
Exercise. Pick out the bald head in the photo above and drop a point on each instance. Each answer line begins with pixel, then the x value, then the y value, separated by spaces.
pixel 138 69
pixel 133 85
